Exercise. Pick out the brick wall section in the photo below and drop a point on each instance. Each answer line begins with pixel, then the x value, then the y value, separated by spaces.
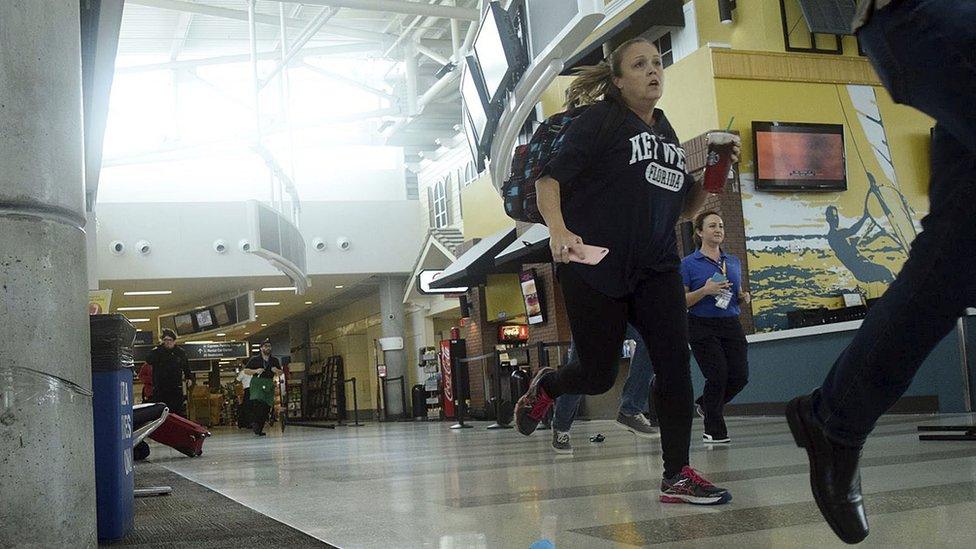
pixel 729 205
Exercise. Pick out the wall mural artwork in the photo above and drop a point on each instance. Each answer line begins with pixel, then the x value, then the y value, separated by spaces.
pixel 808 249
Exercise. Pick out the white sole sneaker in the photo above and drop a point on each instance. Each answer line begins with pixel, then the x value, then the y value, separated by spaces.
pixel 708 439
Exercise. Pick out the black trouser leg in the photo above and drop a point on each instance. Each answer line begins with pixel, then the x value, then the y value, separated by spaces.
pixel 259 411
pixel 244 411
pixel 598 323
pixel 657 309
pixel 707 346
pixel 173 399
pixel 736 359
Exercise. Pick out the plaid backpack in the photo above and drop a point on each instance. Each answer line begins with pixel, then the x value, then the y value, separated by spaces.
pixel 529 160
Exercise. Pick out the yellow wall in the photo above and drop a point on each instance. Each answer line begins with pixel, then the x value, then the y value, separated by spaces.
pixel 351 332
pixel 689 95
pixel 484 213
pixel 758 26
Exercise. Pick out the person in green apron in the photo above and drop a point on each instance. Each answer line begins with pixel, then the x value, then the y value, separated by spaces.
pixel 263 367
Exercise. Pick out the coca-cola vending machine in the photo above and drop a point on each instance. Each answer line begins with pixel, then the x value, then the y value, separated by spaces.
pixel 452 377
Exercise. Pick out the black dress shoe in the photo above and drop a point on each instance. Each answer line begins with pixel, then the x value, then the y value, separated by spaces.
pixel 834 476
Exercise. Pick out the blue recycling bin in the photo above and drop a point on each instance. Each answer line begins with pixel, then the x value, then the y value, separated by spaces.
pixel 112 337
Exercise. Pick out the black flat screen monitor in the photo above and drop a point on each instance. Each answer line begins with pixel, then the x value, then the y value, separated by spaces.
pixel 499 52
pixel 795 156
pixel 473 99
pixel 184 324
pixel 472 138
pixel 221 315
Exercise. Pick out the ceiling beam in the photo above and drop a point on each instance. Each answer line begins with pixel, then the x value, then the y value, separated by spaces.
pixel 352 82
pixel 260 18
pixel 180 35
pixel 243 58
pixel 399 6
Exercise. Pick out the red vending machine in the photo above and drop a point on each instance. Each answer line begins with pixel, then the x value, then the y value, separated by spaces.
pixel 454 379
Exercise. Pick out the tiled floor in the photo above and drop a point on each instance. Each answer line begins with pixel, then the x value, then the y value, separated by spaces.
pixel 424 485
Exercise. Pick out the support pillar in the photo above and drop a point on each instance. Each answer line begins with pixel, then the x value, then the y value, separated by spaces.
pixel 47 485
pixel 391 312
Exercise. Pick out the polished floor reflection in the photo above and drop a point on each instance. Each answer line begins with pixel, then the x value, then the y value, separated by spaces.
pixel 424 485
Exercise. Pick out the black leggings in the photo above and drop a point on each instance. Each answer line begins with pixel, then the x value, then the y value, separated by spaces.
pixel 719 345
pixel 657 310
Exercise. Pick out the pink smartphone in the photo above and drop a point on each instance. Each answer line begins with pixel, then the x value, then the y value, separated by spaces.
pixel 592 254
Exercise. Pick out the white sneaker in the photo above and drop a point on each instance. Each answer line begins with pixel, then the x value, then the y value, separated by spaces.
pixel 709 439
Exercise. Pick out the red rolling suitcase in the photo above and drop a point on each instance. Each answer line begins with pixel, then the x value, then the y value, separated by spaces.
pixel 181 434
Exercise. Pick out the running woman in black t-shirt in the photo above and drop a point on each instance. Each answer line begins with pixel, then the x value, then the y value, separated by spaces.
pixel 624 193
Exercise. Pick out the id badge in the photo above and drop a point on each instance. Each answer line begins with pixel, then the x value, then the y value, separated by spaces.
pixel 723 299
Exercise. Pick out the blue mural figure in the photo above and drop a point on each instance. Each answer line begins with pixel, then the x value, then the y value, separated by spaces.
pixel 844 243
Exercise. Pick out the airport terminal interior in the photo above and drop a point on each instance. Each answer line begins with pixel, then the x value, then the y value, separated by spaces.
pixel 270 277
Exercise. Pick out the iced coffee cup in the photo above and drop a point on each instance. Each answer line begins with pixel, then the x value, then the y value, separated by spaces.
pixel 719 160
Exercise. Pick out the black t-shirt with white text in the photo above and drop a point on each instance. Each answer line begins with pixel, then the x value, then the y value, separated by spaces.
pixel 625 194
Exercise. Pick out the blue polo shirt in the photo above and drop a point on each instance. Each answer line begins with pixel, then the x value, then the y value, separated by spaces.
pixel 697 268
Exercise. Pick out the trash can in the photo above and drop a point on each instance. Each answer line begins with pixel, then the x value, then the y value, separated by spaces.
pixel 111 357
pixel 419 397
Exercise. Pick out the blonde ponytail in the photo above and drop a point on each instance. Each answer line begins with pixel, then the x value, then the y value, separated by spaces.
pixel 590 84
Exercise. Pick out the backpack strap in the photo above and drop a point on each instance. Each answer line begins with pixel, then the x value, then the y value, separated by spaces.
pixel 614 119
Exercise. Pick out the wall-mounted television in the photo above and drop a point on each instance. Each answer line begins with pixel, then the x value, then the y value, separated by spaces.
pixel 500 54
pixel 184 324
pixel 471 135
pixel 231 312
pixel 532 298
pixel 204 319
pixel 474 101
pixel 795 156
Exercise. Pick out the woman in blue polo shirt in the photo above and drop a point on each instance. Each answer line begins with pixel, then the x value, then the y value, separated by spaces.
pixel 713 291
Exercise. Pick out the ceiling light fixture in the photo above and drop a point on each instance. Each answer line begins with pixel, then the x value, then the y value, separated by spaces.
pixel 138 320
pixel 150 292
pixel 339 287
pixel 221 335
pixel 288 289
pixel 137 309
pixel 264 325
pixel 267 304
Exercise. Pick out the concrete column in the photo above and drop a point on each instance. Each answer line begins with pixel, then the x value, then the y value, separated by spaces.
pixel 391 311
pixel 47 485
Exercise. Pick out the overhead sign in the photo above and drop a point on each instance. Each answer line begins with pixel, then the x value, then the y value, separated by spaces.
pixel 144 337
pixel 214 351
pixel 424 280
pixel 199 351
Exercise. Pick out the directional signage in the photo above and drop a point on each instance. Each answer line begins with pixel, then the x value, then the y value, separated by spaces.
pixel 425 279
pixel 200 351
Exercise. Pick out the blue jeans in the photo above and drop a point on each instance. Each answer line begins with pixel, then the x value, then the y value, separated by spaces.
pixel 633 400
pixel 925 53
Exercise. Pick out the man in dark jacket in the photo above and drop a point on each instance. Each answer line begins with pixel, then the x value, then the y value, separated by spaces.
pixel 263 367
pixel 169 367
